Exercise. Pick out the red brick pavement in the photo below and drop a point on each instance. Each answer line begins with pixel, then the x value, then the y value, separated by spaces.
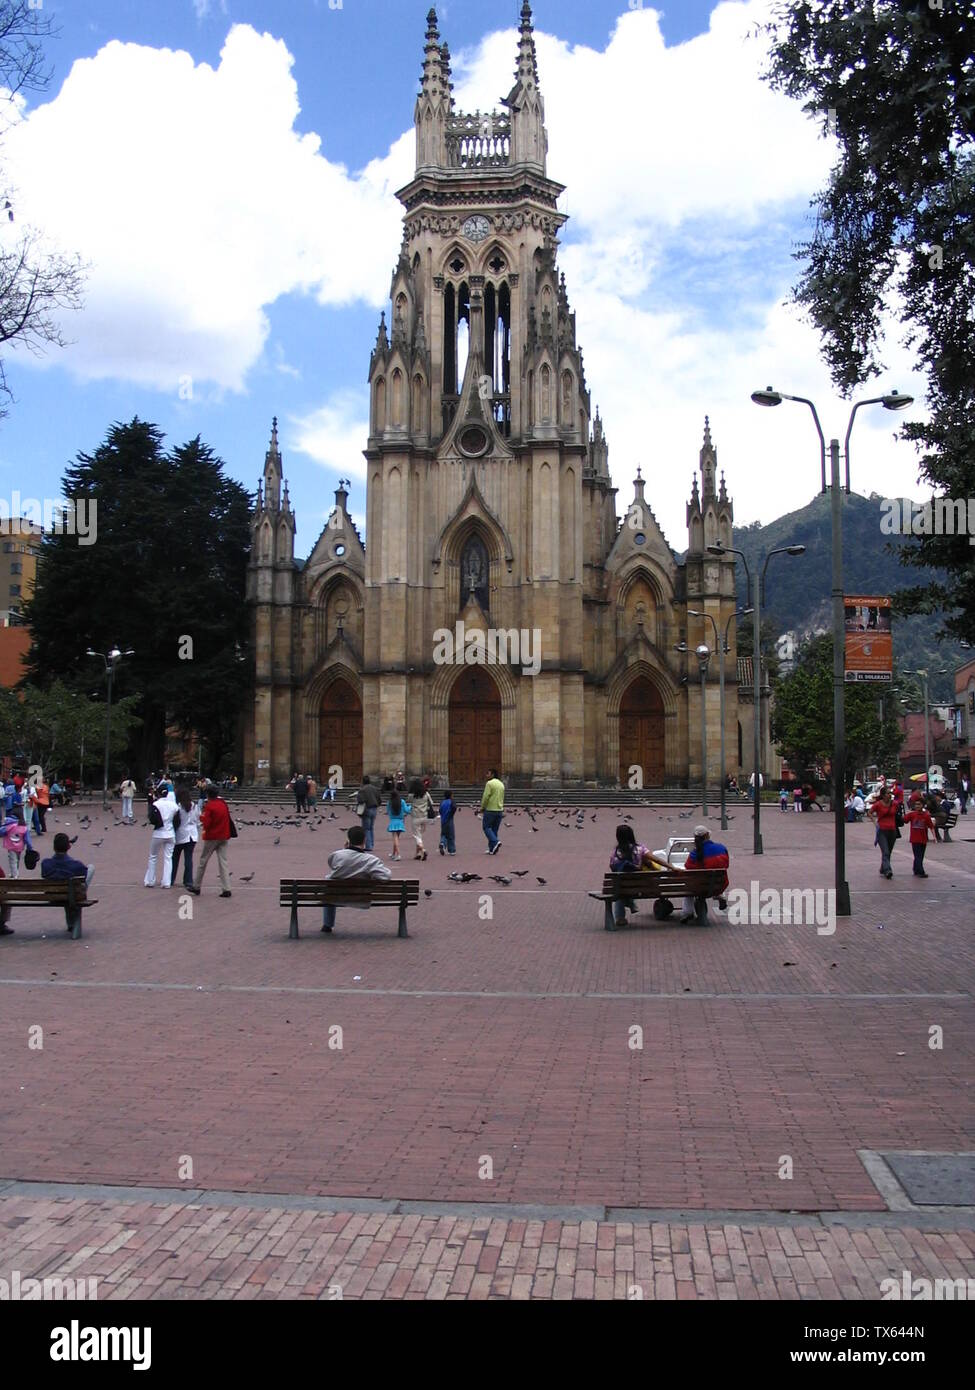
pixel 156 1249
pixel 504 1039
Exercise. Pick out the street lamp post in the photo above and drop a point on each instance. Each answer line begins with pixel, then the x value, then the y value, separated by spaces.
pixel 111 659
pixel 722 649
pixel 756 600
pixel 703 654
pixel 893 401
pixel 927 725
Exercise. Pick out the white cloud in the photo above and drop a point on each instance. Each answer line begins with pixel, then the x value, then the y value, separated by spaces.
pixel 202 208
pixel 335 434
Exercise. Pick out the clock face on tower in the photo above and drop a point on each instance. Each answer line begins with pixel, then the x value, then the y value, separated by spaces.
pixel 476 228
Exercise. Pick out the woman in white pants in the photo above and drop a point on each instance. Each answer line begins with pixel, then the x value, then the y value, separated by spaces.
pixel 163 838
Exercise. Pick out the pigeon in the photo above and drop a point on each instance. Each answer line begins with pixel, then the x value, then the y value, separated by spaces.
pixel 278 840
pixel 464 878
pixel 519 873
pixel 428 892
pixel 500 878
pixel 96 843
pixel 563 825
pixel 246 878
pixel 542 881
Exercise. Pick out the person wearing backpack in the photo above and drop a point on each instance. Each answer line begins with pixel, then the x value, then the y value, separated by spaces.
pixel 187 834
pixel 16 838
pixel 448 810
pixel 163 813
pixel 397 810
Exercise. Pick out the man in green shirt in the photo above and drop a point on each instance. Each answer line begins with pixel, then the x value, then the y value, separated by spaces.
pixel 492 809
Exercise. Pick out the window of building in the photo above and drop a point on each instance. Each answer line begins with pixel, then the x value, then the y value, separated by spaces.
pixel 15 591
pixel 8 547
pixel 16 567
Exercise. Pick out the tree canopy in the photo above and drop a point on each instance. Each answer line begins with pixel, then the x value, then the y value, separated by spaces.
pixel 895 227
pixel 164 576
pixel 802 715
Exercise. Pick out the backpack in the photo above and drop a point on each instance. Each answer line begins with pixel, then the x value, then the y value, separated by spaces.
pixel 155 818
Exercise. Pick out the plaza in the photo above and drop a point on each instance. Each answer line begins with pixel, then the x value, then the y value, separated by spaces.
pixel 486 1127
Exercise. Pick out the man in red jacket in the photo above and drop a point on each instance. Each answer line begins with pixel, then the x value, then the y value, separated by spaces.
pixel 216 832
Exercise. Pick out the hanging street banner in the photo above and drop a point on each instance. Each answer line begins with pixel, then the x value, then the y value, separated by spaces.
pixel 869 645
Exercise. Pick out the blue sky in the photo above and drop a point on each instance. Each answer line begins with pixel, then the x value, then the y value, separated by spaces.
pixel 227 170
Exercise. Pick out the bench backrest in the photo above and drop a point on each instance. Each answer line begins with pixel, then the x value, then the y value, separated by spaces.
pixel 390 892
pixel 664 883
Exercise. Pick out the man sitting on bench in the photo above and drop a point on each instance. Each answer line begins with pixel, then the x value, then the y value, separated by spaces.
pixel 354 861
pixel 706 854
pixel 61 866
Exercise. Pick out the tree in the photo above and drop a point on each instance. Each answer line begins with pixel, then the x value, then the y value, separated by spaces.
pixel 59 730
pixel 802 714
pixel 37 282
pixel 895 228
pixel 164 576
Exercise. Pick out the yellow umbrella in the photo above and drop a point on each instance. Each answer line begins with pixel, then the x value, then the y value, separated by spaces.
pixel 919 777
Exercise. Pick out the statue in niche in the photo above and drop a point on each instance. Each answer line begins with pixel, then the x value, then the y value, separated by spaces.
pixel 474 573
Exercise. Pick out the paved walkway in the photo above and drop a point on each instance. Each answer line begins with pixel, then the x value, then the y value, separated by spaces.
pixel 219 1246
pixel 494 1057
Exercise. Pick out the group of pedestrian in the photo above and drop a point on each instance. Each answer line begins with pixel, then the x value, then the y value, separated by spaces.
pixel 409 809
pixel 178 822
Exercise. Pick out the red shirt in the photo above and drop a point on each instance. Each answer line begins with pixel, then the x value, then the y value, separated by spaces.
pixel 216 819
pixel 921 823
pixel 886 815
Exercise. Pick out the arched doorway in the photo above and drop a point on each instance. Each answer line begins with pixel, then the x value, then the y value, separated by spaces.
pixel 340 733
pixel 642 732
pixel 475 727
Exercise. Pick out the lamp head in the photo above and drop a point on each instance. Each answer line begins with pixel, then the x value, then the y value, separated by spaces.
pixel 767 397
pixel 681 647
pixel 91 652
pixel 114 654
pixel 745 612
pixel 895 401
pixel 703 652
pixel 717 549
pixel 795 550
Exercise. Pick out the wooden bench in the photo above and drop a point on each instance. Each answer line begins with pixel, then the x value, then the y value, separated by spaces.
pixel 32 892
pixel 349 892
pixel 663 885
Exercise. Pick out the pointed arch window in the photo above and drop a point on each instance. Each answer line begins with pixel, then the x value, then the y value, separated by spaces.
pixel 474 572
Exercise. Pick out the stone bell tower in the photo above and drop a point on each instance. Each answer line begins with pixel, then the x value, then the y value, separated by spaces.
pixel 479 441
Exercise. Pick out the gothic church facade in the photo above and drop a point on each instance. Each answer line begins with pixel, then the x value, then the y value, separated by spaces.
pixel 489 503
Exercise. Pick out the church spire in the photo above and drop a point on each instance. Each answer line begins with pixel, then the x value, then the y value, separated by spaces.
pixel 527 69
pixel 272 471
pixel 434 101
pixel 709 465
pixel 529 142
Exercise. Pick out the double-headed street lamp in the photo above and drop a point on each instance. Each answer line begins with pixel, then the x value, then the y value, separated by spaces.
pixel 756 602
pixel 703 654
pixel 893 401
pixel 722 649
pixel 111 659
